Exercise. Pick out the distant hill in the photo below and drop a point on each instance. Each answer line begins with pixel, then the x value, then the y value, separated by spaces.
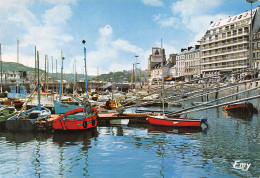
pixel 13 66
pixel 118 76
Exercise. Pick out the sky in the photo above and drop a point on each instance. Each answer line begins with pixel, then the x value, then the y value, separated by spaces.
pixel 115 31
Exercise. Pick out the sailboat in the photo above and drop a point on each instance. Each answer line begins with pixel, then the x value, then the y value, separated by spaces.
pixel 163 120
pixel 82 118
pixel 63 107
pixel 26 120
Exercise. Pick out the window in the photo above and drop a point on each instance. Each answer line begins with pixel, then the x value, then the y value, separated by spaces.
pixel 240 17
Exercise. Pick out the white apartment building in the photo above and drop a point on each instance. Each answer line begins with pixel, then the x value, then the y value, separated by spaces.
pixel 226 45
pixel 188 62
pixel 256 49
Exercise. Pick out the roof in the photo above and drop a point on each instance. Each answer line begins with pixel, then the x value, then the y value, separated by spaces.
pixel 233 19
pixel 106 86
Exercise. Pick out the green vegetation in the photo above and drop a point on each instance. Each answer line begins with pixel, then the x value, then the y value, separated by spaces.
pixel 118 76
pixel 13 66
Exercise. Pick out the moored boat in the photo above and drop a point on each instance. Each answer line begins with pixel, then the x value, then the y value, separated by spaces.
pixel 25 121
pixel 77 119
pixel 17 102
pixel 113 105
pixel 61 108
pixel 244 107
pixel 6 112
pixel 163 120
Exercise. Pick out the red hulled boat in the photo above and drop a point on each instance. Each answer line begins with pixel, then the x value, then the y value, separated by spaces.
pixel 76 120
pixel 244 107
pixel 176 121
pixel 16 102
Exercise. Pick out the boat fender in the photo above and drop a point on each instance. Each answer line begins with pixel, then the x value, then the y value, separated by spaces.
pixel 93 122
pixel 85 124
pixel 97 118
pixel 204 120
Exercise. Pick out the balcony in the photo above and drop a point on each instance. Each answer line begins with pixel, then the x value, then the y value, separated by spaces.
pixel 224 67
pixel 223 38
pixel 225 59
pixel 226 44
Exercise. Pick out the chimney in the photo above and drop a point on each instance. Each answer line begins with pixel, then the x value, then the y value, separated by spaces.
pixel 183 49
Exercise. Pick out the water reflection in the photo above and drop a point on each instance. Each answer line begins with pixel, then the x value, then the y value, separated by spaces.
pixel 76 137
pixel 136 150
pixel 22 137
pixel 247 116
pixel 176 130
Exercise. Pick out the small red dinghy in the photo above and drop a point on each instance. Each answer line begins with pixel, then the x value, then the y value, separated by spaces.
pixel 175 121
pixel 76 120
pixel 243 107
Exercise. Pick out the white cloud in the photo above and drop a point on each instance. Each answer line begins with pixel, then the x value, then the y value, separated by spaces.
pixel 165 21
pixel 59 1
pixel 125 46
pixel 110 54
pixel 193 15
pixel 59 14
pixel 48 33
pixel 153 2
pixel 189 8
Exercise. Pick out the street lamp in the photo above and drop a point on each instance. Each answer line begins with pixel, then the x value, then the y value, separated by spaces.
pixel 251 34
pixel 136 56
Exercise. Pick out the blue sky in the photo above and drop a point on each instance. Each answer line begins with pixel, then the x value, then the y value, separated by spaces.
pixel 115 30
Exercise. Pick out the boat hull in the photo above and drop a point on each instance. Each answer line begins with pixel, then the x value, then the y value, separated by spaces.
pixel 72 120
pixel 241 107
pixel 20 124
pixel 174 122
pixel 27 119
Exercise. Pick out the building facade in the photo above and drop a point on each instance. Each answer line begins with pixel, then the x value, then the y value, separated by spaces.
pixel 225 47
pixel 188 62
pixel 256 49
pixel 154 64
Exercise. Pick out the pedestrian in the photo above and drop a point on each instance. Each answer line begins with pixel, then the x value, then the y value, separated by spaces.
pixel 108 104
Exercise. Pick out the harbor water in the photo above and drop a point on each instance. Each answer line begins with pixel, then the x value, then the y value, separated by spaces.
pixel 230 147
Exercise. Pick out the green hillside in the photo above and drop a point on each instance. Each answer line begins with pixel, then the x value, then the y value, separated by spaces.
pixel 13 66
pixel 118 76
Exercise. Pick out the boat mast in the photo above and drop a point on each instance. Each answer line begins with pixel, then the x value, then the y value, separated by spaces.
pixel 56 77
pixel 98 82
pixel 35 57
pixel 47 74
pixel 73 77
pixel 62 58
pixel 1 68
pixel 45 84
pixel 162 78
pixel 39 85
pixel 85 69
pixel 52 73
pixel 113 85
